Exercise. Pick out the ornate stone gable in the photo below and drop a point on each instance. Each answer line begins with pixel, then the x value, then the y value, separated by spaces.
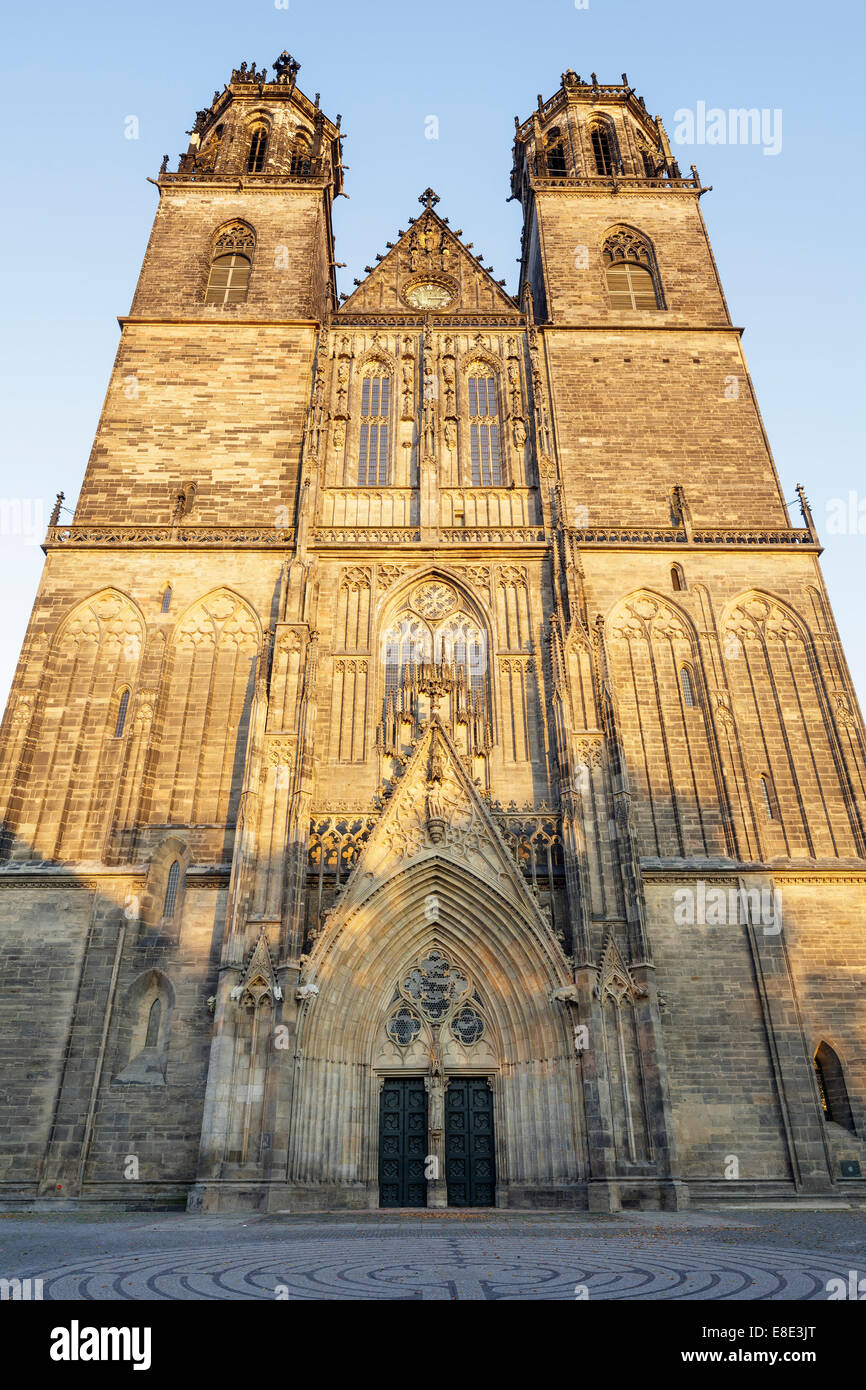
pixel 436 811
pixel 429 270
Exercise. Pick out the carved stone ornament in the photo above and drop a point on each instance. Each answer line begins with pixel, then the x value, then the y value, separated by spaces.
pixel 258 981
pixel 434 600
pixel 614 977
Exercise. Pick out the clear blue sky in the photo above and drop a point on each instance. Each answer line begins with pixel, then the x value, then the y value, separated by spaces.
pixel 787 229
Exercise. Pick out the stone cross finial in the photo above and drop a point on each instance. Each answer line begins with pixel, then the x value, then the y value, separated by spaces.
pixel 428 198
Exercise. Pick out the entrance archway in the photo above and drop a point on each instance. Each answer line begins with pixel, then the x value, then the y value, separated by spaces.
pixel 435 909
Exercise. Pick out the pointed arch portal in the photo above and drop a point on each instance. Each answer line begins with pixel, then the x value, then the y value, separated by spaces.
pixel 436 970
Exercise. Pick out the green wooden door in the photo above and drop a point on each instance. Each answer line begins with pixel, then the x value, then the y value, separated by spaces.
pixel 470 1162
pixel 402 1142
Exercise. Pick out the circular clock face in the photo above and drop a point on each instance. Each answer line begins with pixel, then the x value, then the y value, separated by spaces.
pixel 429 295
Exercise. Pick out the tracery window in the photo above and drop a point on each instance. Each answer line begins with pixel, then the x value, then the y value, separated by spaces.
pixel 434 646
pixel 231 264
pixel 407 644
pixel 436 992
pixel 373 449
pixel 484 432
pixel 631 272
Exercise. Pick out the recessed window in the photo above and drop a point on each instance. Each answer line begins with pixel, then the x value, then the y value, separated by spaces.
pixel 604 148
pixel 171 890
pixel 631 271
pixel 688 688
pixel 123 705
pixel 484 432
pixel 678 578
pixel 556 167
pixel 373 449
pixel 767 798
pixel 229 279
pixel 153 1022
pixel 166 600
pixel 258 149
pixel 301 156
pixel 832 1088
pixel 630 287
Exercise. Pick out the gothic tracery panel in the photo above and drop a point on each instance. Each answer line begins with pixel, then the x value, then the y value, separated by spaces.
pixel 204 712
pixel 670 747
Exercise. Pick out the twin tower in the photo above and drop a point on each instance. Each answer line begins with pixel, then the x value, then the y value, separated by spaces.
pixel 432 775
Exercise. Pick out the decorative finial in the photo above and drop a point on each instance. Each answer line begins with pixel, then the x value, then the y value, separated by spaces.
pixel 428 198
pixel 286 69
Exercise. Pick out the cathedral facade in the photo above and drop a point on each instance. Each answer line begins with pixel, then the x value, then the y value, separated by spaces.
pixel 432 775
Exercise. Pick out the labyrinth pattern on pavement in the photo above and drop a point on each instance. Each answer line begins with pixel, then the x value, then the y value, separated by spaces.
pixel 451 1267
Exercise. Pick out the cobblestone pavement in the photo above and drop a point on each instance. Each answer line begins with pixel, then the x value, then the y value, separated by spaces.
pixel 741 1255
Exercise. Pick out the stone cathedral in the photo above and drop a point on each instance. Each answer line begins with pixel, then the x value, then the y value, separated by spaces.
pixel 432 775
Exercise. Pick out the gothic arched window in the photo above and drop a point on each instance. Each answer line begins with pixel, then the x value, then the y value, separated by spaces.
pixel 604 148
pixel 630 287
pixel 166 600
pixel 373 452
pixel 153 1022
pixel 171 890
pixel 678 577
pixel 407 643
pixel 231 264
pixel 832 1088
pixel 460 642
pixel 258 149
pixel 122 706
pixel 555 151
pixel 630 269
pixel 301 154
pixel 484 431
pixel 688 686
pixel 768 800
pixel 435 648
